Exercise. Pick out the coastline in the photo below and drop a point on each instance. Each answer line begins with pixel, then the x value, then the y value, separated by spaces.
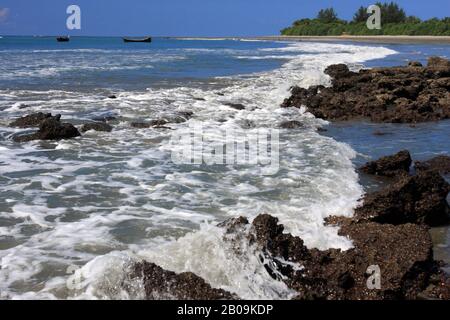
pixel 344 279
pixel 371 39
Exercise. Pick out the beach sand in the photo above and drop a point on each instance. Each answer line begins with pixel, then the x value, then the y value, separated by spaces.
pixel 374 39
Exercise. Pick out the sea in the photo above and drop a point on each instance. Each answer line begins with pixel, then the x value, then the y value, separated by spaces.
pixel 75 215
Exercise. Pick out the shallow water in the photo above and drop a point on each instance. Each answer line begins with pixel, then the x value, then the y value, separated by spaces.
pixel 104 200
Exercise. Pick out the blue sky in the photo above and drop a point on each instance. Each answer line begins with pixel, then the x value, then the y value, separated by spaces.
pixel 182 17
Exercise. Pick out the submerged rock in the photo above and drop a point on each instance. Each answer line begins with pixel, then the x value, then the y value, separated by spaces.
pixel 411 199
pixel 440 164
pixel 161 284
pixel 291 124
pixel 96 126
pixel 153 123
pixel 104 119
pixel 51 129
pixel 396 95
pixel 32 120
pixel 389 166
pixel 236 106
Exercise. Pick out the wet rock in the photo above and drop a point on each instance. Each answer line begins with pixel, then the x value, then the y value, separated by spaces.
pixel 395 95
pixel 338 71
pixel 291 124
pixel 186 114
pixel 112 96
pixel 440 164
pixel 161 284
pixel 414 64
pixel 180 117
pixel 32 120
pixel 96 126
pixel 439 288
pixel 412 199
pixel 51 129
pixel 403 253
pixel 381 133
pixel 389 166
pixel 236 106
pixel 140 125
pixel 268 234
pixel 153 123
pixel 104 119
pixel 438 63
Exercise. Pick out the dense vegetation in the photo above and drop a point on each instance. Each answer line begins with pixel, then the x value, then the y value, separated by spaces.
pixel 394 21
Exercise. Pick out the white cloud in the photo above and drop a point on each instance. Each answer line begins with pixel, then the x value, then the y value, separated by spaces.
pixel 4 14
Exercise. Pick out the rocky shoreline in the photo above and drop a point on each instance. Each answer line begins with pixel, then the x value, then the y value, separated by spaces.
pixel 389 230
pixel 408 94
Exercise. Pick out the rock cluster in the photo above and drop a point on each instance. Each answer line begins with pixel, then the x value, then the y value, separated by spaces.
pixel 417 198
pixel 396 95
pixel 389 166
pixel 32 120
pixel 440 164
pixel 160 284
pixel 389 232
pixel 51 128
pixel 96 126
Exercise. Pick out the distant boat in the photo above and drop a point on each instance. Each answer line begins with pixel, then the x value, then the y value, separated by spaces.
pixel 148 39
pixel 63 39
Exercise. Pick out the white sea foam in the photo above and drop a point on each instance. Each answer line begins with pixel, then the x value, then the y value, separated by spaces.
pixel 105 200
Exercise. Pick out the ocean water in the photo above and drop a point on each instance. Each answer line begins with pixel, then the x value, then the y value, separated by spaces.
pixel 83 210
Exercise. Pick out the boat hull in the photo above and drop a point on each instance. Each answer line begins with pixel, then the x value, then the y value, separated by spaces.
pixel 63 39
pixel 137 40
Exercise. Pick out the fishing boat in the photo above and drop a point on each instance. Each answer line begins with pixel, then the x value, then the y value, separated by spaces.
pixel 63 39
pixel 148 39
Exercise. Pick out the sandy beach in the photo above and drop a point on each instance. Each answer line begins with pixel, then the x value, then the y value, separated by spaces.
pixel 373 39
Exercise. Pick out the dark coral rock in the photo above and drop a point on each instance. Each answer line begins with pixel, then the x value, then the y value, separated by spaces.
pixel 389 166
pixel 161 284
pixel 412 199
pixel 51 129
pixel 236 106
pixel 440 164
pixel 396 95
pixel 338 71
pixel 32 120
pixel 96 126
pixel 402 253
pixel 291 124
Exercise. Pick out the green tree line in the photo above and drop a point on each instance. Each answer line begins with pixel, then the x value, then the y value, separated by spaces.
pixel 394 21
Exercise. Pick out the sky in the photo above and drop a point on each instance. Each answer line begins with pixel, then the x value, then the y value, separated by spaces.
pixel 182 17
